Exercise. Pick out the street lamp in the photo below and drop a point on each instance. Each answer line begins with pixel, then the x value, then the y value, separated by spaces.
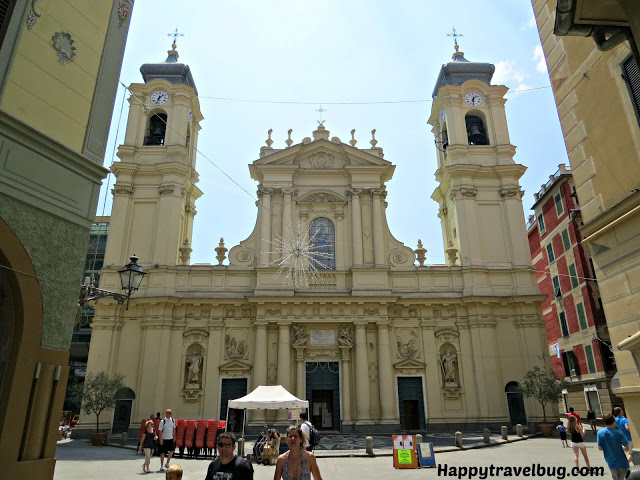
pixel 131 276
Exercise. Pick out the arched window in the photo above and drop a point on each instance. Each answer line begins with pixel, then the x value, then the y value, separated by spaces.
pixel 157 129
pixel 322 244
pixel 476 132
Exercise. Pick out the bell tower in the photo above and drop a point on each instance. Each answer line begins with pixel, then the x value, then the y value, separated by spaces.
pixel 155 192
pixel 479 191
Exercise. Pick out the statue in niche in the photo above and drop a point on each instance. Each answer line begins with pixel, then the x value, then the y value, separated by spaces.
pixel 193 368
pixel 299 335
pixel 345 336
pixel 448 360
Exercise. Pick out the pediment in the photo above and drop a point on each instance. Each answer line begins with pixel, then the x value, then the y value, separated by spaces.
pixel 322 154
pixel 235 366
pixel 410 365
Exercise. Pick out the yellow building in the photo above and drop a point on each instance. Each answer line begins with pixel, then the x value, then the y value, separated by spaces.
pixel 596 83
pixel 59 66
pixel 373 341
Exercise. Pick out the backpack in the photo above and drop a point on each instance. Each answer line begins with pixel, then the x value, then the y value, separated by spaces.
pixel 314 435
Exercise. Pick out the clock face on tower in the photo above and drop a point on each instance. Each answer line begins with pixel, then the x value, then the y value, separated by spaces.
pixel 159 97
pixel 473 98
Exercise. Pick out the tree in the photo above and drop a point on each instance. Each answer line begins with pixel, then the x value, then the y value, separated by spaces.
pixel 98 392
pixel 543 385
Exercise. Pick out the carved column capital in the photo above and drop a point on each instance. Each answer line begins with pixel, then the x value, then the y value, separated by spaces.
pixel 122 190
pixel 510 192
pixel 264 191
pixel 288 191
pixel 378 191
pixel 356 192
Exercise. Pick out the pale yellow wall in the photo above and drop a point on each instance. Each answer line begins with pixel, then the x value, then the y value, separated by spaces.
pixel 54 98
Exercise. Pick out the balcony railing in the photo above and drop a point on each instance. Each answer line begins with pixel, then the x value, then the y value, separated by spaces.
pixel 562 170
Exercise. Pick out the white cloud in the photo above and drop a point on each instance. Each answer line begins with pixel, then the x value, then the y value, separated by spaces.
pixel 507 74
pixel 538 55
pixel 532 22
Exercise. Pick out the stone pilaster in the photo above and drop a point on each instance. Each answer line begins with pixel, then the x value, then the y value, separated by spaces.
pixel 363 405
pixel 378 236
pixel 356 225
pixel 260 364
pixel 346 384
pixel 385 375
pixel 264 205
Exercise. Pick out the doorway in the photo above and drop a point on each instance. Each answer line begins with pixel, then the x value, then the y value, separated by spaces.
pixel 232 388
pixel 323 393
pixel 122 411
pixel 411 403
pixel 517 413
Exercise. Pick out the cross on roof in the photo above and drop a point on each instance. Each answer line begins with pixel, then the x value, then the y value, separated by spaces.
pixel 175 34
pixel 455 36
pixel 320 122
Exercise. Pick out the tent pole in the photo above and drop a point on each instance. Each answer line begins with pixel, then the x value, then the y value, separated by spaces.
pixel 226 424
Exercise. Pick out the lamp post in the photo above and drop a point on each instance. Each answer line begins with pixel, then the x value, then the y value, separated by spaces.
pixel 131 276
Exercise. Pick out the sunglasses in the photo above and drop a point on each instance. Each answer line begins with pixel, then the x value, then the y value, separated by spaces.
pixel 225 445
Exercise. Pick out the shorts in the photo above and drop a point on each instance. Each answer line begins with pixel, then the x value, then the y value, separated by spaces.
pixel 593 422
pixel 619 473
pixel 563 436
pixel 168 446
pixel 578 445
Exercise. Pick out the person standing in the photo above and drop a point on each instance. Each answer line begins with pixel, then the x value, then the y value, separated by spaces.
pixel 623 425
pixel 577 442
pixel 228 465
pixel 147 443
pixel 573 414
pixel 167 432
pixel 611 442
pixel 297 463
pixel 563 434
pixel 591 416
pixel 306 430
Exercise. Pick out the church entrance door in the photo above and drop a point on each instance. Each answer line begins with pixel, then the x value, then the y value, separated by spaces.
pixel 517 413
pixel 122 411
pixel 323 393
pixel 232 388
pixel 411 403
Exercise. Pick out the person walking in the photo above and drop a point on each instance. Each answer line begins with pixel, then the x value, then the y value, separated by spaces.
pixel 147 444
pixel 563 434
pixel 591 416
pixel 613 444
pixel 228 465
pixel 167 433
pixel 577 442
pixel 623 425
pixel 297 463
pixel 572 413
pixel 306 430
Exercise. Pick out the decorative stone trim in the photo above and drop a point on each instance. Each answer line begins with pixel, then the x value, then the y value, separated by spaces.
pixel 123 12
pixel 32 17
pixel 321 160
pixel 65 46
pixel 166 190
pixel 510 192
pixel 122 190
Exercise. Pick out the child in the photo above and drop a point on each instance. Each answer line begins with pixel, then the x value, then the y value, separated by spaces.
pixel 147 442
pixel 174 472
pixel 612 441
pixel 563 434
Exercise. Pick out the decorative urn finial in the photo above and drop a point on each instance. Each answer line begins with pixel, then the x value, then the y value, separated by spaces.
pixel 221 250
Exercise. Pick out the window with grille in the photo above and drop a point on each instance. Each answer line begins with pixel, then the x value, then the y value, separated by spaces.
pixel 631 74
pixel 6 9
pixel 322 244
pixel 574 275
pixel 552 257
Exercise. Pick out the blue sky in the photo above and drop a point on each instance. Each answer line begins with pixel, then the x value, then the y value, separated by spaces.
pixel 337 51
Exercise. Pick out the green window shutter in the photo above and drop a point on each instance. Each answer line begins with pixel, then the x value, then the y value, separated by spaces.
pixel 574 276
pixel 563 324
pixel 550 254
pixel 541 223
pixel 565 240
pixel 581 316
pixel 6 9
pixel 558 200
pixel 632 76
pixel 590 361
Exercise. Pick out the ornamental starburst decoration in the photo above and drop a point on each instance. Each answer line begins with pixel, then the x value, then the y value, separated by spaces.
pixel 299 256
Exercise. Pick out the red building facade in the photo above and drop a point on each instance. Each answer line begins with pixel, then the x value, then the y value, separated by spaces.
pixel 577 334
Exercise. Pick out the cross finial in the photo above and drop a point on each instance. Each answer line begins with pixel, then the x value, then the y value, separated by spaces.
pixel 321 110
pixel 175 34
pixel 455 36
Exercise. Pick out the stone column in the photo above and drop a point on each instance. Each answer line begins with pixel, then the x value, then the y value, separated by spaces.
pixel 363 405
pixel 286 211
pixel 211 382
pixel 300 371
pixel 378 237
pixel 346 384
pixel 260 364
pixel 356 225
pixel 385 374
pixel 264 202
pixel 284 357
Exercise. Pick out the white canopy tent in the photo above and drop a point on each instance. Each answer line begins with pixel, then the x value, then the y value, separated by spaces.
pixel 266 396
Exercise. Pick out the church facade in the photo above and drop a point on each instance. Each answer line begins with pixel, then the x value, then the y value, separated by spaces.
pixel 376 340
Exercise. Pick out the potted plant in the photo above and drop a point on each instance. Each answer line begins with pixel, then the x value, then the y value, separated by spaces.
pixel 543 385
pixel 97 393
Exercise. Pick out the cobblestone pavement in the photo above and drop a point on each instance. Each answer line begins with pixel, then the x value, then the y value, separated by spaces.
pixel 77 460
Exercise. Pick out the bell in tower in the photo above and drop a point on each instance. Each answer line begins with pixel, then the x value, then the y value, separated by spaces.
pixel 475 130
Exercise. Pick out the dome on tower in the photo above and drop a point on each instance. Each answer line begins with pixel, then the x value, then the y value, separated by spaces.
pixel 459 70
pixel 170 70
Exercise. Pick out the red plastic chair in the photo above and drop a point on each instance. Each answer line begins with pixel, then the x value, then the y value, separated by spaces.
pixel 201 430
pixel 189 433
pixel 222 425
pixel 180 429
pixel 212 433
pixel 156 424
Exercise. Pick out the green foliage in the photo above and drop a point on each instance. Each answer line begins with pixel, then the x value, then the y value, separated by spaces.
pixel 98 392
pixel 543 385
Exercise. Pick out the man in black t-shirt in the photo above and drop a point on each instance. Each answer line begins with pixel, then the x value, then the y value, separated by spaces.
pixel 229 466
